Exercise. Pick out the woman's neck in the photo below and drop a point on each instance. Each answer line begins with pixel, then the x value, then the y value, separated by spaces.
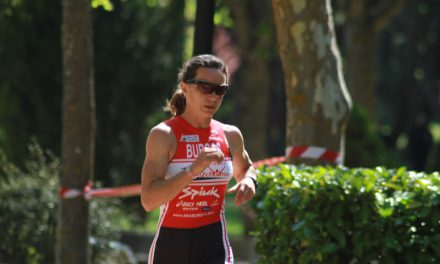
pixel 197 121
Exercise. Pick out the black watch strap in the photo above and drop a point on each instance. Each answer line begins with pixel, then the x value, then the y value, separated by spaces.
pixel 255 182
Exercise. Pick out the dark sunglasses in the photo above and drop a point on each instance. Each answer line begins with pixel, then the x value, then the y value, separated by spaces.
pixel 207 87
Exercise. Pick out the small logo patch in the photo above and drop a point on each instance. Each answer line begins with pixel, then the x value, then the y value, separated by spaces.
pixel 189 138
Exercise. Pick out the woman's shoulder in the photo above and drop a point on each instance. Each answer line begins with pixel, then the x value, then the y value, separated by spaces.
pixel 161 131
pixel 233 134
pixel 230 128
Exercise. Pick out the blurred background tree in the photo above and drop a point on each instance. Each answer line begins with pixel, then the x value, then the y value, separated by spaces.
pixel 78 131
pixel 30 76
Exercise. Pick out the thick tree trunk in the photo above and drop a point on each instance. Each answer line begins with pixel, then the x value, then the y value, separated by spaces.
pixel 78 131
pixel 318 104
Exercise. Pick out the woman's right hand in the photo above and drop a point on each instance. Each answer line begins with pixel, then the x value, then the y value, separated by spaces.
pixel 205 157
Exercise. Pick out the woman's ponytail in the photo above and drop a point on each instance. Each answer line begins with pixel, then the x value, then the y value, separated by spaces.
pixel 176 105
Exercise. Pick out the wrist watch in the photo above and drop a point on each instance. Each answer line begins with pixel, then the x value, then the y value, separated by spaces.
pixel 254 180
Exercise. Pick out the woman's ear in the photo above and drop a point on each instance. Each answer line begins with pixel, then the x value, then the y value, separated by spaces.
pixel 184 87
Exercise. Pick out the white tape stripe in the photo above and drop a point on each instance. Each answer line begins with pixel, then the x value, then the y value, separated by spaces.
pixel 288 150
pixel 313 152
pixel 339 159
pixel 72 193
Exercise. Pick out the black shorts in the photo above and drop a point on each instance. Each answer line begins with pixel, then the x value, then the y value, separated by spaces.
pixel 204 245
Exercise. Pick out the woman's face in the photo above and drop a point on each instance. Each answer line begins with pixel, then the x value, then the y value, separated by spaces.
pixel 197 98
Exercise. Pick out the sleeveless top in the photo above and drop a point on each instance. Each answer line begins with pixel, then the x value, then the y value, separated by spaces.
pixel 201 202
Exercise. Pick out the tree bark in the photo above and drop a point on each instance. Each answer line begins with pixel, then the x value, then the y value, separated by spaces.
pixel 78 135
pixel 318 104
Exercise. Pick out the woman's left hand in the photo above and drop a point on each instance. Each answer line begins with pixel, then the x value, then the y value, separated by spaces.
pixel 245 190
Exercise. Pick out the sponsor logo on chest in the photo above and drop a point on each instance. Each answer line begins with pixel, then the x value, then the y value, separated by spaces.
pixel 189 138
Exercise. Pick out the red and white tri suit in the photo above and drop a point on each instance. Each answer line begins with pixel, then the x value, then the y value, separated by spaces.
pixel 201 202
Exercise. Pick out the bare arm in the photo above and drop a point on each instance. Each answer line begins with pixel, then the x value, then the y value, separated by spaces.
pixel 243 169
pixel 160 147
pixel 155 189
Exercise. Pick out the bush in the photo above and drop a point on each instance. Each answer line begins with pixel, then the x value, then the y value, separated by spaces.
pixel 340 215
pixel 28 206
pixel 29 209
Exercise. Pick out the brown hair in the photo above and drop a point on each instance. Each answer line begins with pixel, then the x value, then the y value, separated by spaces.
pixel 176 105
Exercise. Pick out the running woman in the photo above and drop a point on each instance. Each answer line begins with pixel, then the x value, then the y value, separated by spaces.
pixel 190 158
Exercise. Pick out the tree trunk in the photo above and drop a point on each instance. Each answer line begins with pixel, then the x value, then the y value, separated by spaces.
pixel 252 81
pixel 361 61
pixel 204 28
pixel 318 104
pixel 365 19
pixel 78 131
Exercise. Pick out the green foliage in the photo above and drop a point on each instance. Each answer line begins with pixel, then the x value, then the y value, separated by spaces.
pixel 28 203
pixel 340 215
pixel 29 210
pixel 137 52
pixel 105 4
pixel 222 16
pixel 30 75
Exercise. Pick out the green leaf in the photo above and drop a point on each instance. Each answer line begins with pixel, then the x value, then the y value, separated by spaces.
pixel 305 258
pixel 329 248
pixel 105 4
pixel 298 225
pixel 336 234
pixel 385 211
pixel 392 186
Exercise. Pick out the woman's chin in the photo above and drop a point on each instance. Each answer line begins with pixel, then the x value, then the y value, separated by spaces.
pixel 210 110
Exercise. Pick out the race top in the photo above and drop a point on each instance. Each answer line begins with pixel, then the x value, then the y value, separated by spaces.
pixel 202 201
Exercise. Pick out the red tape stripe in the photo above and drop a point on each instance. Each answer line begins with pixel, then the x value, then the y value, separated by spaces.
pixel 297 151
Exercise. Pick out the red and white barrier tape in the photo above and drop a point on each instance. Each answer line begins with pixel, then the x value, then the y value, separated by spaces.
pixel 88 192
pixel 129 190
pixel 312 152
pixel 67 193
pixel 269 162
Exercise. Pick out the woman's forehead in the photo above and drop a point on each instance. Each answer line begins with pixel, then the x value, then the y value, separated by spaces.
pixel 210 74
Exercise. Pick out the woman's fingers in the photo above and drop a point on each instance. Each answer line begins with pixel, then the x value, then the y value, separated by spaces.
pixel 244 192
pixel 205 157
